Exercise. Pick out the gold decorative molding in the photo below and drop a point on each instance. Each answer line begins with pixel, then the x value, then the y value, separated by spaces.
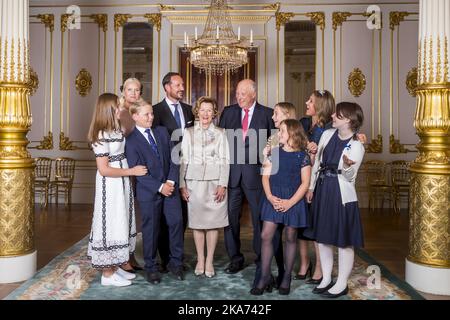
pixel 154 19
pixel 338 18
pixel 395 17
pixel 273 6
pixel 46 143
pixel 163 7
pixel 282 18
pixel 83 82
pixel 101 19
pixel 33 81
pixel 64 143
pixel 429 220
pixel 411 81
pixel 356 82
pixel 187 19
pixel 376 145
pixel 64 21
pixel 48 20
pixel 120 19
pixel 318 18
pixel 396 147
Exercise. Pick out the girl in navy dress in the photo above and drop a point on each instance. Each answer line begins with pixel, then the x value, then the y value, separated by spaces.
pixel 335 218
pixel 285 181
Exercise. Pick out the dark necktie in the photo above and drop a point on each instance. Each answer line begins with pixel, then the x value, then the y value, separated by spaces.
pixel 177 115
pixel 152 142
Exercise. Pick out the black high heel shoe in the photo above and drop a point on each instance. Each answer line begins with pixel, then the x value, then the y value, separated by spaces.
pixel 267 288
pixel 314 281
pixel 303 276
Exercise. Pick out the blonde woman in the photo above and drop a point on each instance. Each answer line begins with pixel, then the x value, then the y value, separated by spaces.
pixel 131 93
pixel 204 173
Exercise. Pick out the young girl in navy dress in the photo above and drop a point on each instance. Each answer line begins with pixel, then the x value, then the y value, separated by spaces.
pixel 335 218
pixel 285 181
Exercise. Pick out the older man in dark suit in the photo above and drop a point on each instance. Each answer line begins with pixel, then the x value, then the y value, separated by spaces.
pixel 175 115
pixel 249 125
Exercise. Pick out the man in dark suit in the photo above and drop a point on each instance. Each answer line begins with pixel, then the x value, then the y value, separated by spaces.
pixel 249 124
pixel 157 192
pixel 175 115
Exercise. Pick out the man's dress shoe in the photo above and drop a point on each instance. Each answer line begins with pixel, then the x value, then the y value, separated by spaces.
pixel 154 277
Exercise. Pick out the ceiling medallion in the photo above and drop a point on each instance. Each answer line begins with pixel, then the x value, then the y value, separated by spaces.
pixel 356 82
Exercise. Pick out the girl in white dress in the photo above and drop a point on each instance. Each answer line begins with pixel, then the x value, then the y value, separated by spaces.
pixel 113 232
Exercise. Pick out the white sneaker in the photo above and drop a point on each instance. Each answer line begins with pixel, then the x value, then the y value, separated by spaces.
pixel 115 280
pixel 125 274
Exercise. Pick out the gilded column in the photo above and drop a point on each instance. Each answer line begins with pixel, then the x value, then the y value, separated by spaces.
pixel 428 261
pixel 17 251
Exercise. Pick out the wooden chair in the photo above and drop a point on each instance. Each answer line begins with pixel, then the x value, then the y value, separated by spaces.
pixel 377 183
pixel 42 175
pixel 400 178
pixel 63 181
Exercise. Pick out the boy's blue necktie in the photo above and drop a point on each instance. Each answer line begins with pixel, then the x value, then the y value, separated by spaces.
pixel 152 142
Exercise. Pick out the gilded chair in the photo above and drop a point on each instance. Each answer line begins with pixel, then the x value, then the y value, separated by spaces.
pixel 377 183
pixel 42 174
pixel 63 180
pixel 400 178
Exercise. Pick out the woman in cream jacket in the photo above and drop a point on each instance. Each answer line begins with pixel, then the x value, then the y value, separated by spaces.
pixel 204 172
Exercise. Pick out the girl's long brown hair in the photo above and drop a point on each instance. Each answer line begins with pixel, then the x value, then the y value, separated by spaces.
pixel 325 106
pixel 104 118
pixel 297 136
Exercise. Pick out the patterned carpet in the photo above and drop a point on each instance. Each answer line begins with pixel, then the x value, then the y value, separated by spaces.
pixel 57 281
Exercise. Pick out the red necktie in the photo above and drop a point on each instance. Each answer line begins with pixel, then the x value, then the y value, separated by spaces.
pixel 245 124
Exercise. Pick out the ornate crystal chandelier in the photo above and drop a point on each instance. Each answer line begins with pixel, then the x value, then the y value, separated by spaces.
pixel 218 49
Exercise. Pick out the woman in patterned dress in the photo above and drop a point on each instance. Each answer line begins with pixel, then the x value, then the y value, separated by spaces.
pixel 113 232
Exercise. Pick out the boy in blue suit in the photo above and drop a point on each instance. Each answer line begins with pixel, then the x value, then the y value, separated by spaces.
pixel 157 192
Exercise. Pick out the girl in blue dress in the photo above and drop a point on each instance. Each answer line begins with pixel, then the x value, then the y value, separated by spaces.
pixel 335 218
pixel 285 181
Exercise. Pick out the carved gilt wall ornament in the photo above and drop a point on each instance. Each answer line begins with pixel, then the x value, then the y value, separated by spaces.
pixel 154 19
pixel 48 20
pixel 376 145
pixel 318 18
pixel 119 20
pixel 356 82
pixel 101 19
pixel 46 143
pixel 163 7
pixel 83 82
pixel 396 147
pixel 273 6
pixel 33 82
pixel 282 18
pixel 411 81
pixel 338 18
pixel 395 17
pixel 65 143
pixel 64 21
